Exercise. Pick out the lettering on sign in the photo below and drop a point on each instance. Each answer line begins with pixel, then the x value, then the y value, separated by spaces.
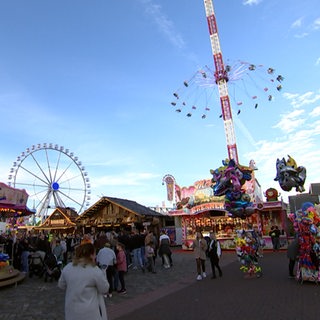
pixel 57 222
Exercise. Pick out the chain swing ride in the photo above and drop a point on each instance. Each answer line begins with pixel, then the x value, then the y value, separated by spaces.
pixel 241 76
pixel 229 179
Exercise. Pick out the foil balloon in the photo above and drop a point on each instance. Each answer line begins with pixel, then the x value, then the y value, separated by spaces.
pixel 228 180
pixel 247 253
pixel 290 175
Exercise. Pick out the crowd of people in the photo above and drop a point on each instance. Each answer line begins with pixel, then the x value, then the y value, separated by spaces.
pixel 108 256
pixel 117 252
pixel 140 248
pixel 93 264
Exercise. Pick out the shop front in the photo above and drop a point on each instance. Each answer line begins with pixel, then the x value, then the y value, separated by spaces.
pixel 198 209
pixel 115 214
pixel 217 221
pixel 61 221
pixel 273 213
pixel 226 227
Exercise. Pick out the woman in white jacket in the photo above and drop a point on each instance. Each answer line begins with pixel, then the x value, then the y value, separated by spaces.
pixel 200 248
pixel 85 285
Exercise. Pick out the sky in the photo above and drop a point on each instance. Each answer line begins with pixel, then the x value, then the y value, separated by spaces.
pixel 98 77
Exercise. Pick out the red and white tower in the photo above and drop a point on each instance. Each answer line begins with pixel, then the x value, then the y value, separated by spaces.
pixel 221 78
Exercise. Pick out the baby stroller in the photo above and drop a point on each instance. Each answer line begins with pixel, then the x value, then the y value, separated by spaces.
pixel 52 267
pixel 36 265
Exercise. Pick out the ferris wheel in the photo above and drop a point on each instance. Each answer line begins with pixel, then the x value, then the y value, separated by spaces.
pixel 53 177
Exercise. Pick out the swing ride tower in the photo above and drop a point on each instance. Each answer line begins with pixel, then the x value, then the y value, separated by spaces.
pixel 221 78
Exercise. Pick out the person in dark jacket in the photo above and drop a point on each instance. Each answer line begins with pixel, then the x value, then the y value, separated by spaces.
pixel 275 237
pixel 214 253
pixel 24 248
pixel 292 254
pixel 164 248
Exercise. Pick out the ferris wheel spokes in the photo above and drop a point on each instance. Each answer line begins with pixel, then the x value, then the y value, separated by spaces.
pixel 22 185
pixel 48 165
pixel 44 205
pixel 68 197
pixel 67 180
pixel 64 171
pixel 35 176
pixel 50 179
pixel 57 200
pixel 40 168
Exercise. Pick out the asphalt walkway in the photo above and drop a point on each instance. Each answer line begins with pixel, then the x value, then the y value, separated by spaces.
pixel 174 294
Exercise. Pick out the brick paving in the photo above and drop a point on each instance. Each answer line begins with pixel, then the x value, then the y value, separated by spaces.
pixel 175 294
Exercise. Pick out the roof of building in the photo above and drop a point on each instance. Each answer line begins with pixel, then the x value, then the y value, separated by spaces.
pixel 61 218
pixel 129 205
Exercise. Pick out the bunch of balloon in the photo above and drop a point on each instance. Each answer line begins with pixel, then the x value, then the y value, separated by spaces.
pixel 306 223
pixel 228 180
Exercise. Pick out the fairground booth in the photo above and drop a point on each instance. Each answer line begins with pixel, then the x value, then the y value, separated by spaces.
pixel 13 211
pixel 196 208
pixel 13 208
pixel 116 214
pixel 61 221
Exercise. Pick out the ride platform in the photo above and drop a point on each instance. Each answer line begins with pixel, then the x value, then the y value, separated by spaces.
pixel 10 276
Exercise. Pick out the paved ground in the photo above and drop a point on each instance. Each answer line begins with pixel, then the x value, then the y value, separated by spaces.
pixel 175 294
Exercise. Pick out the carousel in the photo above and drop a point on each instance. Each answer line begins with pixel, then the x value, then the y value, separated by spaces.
pixel 13 210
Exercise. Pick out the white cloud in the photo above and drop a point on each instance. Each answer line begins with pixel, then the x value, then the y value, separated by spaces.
pixel 251 2
pixel 315 112
pixel 297 23
pixel 297 118
pixel 301 35
pixel 298 101
pixel 305 155
pixel 316 24
pixel 318 62
pixel 165 25
pixel 290 96
pixel 302 130
pixel 290 121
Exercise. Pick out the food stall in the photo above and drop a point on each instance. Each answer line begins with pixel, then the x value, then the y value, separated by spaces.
pixel 115 214
pixel 61 221
pixel 273 212
pixel 198 209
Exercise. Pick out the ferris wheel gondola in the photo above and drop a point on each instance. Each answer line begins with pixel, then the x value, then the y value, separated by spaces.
pixel 53 177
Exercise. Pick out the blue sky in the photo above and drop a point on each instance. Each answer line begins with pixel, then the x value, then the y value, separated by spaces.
pixel 98 77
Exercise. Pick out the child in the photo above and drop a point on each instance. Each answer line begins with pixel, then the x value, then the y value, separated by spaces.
pixel 150 257
pixel 121 266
